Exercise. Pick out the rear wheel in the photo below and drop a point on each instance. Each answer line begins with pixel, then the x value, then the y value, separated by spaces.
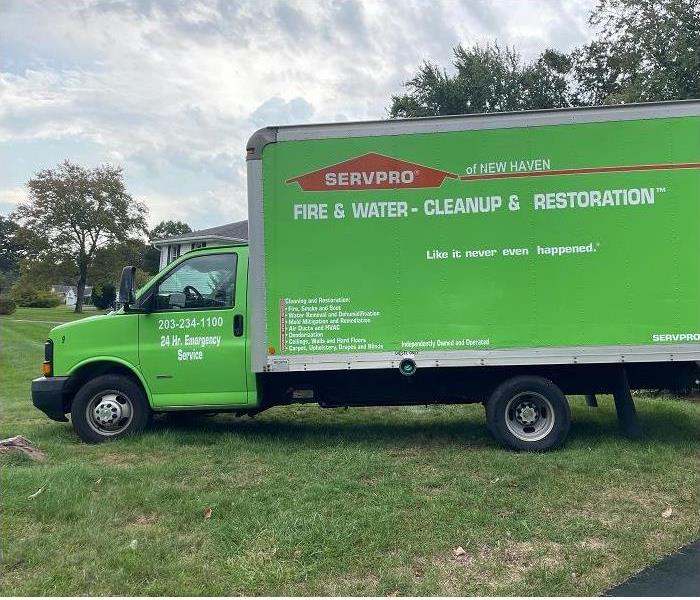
pixel 109 407
pixel 528 413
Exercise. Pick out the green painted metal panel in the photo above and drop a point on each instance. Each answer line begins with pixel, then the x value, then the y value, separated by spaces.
pixel 583 234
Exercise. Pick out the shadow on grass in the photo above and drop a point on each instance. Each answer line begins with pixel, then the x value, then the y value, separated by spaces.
pixel 317 431
pixel 387 428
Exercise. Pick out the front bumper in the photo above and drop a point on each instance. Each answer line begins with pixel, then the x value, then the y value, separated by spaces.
pixel 48 396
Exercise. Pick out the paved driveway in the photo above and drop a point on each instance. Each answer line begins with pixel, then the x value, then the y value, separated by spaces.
pixel 675 575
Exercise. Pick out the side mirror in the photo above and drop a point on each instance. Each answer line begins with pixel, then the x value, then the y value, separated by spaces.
pixel 127 294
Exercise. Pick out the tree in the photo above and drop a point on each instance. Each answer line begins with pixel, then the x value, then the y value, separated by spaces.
pixel 104 295
pixel 9 252
pixel 79 210
pixel 24 293
pixel 487 79
pixel 644 51
pixel 32 288
pixel 18 246
pixel 112 257
pixel 166 229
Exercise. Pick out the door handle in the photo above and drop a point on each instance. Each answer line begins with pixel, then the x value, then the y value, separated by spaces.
pixel 238 325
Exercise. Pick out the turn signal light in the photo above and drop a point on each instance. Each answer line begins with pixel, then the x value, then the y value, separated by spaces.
pixel 47 366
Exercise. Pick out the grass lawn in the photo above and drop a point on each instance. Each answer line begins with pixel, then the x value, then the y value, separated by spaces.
pixel 311 501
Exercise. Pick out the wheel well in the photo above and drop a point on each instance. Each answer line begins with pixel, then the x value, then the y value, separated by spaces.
pixel 87 372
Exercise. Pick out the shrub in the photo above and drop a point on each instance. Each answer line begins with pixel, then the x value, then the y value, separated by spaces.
pixel 25 294
pixel 103 296
pixel 43 299
pixel 7 306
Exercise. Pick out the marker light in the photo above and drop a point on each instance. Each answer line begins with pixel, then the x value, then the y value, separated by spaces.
pixel 47 365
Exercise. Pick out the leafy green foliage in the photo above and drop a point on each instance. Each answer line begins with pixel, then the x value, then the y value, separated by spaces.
pixel 7 278
pixel 25 293
pixel 166 229
pixel 7 306
pixel 642 51
pixel 110 259
pixel 79 210
pixel 13 249
pixel 150 262
pixel 142 278
pixel 103 296
pixel 487 79
pixel 9 248
pixel 36 278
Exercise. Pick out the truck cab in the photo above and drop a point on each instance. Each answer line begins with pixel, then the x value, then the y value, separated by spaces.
pixel 181 344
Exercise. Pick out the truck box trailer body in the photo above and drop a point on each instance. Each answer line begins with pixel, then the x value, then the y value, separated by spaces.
pixel 546 237
pixel 505 259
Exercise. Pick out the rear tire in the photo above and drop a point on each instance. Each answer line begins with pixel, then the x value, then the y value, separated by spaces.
pixel 109 407
pixel 528 413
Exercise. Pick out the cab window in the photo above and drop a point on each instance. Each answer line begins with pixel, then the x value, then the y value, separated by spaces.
pixel 200 282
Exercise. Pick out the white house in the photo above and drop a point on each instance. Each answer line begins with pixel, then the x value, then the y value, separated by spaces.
pixel 173 247
pixel 69 294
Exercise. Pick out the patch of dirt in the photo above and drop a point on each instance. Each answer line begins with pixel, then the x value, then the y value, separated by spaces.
pixel 432 489
pixel 594 543
pixel 144 519
pixel 131 459
pixel 353 584
pixel 118 459
pixel 609 520
pixel 490 566
pixel 242 475
pixel 646 498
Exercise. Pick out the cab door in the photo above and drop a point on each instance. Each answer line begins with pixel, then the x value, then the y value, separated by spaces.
pixel 192 346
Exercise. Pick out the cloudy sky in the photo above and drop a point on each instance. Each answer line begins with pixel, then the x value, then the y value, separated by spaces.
pixel 171 90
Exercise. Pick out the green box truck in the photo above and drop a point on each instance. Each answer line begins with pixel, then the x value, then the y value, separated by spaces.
pixel 507 259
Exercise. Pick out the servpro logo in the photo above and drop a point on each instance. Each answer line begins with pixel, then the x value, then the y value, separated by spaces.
pixel 676 337
pixel 371 172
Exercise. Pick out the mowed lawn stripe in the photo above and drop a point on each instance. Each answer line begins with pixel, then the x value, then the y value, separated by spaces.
pixel 365 501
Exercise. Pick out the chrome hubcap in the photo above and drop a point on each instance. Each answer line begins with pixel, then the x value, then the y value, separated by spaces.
pixel 109 413
pixel 526 413
pixel 529 416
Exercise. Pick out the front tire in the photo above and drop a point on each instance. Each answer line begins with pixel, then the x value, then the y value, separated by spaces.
pixel 109 407
pixel 528 413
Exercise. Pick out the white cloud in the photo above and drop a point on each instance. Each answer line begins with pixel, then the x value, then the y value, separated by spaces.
pixel 10 197
pixel 172 89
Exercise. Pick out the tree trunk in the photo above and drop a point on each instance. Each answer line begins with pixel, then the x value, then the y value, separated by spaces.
pixel 81 289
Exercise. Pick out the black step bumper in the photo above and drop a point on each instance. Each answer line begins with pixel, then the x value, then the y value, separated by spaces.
pixel 48 395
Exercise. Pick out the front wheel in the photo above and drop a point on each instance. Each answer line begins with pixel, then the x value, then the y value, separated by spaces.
pixel 109 407
pixel 528 413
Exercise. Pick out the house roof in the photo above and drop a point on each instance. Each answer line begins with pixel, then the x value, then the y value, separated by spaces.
pixel 231 232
